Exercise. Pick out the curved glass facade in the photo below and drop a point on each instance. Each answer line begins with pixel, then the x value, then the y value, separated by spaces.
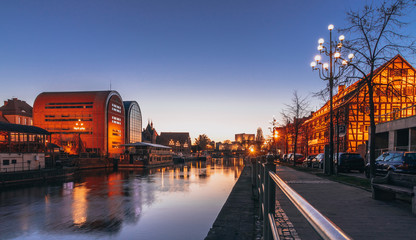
pixel 134 127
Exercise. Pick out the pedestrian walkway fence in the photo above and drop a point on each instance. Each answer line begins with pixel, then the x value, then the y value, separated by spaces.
pixel 265 180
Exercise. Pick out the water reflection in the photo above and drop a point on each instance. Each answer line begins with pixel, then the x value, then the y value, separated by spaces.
pixel 178 202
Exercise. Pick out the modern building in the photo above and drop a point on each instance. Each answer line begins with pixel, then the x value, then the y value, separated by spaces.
pixel 133 121
pixel 394 89
pixel 22 147
pixel 91 121
pixel 180 142
pixel 396 135
pixel 16 111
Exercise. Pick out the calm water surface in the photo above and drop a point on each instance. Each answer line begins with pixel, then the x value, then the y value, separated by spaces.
pixel 179 202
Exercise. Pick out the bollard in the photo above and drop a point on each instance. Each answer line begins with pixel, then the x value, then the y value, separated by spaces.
pixel 269 197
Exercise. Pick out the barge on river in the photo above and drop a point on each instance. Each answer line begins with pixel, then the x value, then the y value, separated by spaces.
pixel 145 155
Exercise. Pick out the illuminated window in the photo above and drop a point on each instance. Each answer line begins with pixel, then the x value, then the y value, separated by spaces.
pixel 116 108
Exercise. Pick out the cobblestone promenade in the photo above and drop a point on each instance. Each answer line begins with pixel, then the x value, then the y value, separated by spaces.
pixel 351 208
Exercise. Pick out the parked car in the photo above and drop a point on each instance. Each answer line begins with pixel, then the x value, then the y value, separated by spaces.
pixel 318 161
pixel 349 161
pixel 289 156
pixel 308 161
pixel 299 158
pixel 396 161
pixel 284 158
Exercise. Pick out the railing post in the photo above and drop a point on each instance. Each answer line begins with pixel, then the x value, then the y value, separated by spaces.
pixel 254 177
pixel 261 185
pixel 269 197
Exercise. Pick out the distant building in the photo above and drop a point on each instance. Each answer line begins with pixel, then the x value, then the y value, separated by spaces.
pixel 227 146
pixel 90 121
pixel 180 142
pixel 244 137
pixel 16 111
pixel 149 134
pixel 133 122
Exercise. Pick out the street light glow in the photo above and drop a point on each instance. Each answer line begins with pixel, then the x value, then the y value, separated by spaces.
pixel 341 38
pixel 321 41
pixel 325 66
pixel 313 64
pixel 351 56
pixel 318 58
pixel 337 55
pixel 330 27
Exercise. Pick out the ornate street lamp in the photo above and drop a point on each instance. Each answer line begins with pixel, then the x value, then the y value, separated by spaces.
pixel 331 71
pixel 79 127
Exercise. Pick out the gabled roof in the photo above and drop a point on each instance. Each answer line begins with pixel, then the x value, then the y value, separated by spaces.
pixel 9 127
pixel 15 106
pixel 348 93
pixel 165 137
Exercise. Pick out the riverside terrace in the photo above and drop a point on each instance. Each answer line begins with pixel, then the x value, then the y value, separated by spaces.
pixel 351 209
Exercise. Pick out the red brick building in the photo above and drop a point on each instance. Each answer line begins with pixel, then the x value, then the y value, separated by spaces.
pixel 92 121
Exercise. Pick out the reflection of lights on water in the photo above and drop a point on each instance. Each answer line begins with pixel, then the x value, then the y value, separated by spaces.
pixel 163 177
pixel 67 188
pixel 185 172
pixel 79 205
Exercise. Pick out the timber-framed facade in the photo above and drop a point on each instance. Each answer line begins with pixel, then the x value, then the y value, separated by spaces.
pixel 394 90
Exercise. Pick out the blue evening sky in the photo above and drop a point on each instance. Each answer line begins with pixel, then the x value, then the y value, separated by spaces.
pixel 215 67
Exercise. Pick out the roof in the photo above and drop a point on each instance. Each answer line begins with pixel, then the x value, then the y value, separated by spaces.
pixel 165 137
pixel 144 144
pixel 15 106
pixel 2 119
pixel 9 127
pixel 348 93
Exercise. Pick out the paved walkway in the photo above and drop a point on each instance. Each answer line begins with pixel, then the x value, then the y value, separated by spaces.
pixel 237 218
pixel 351 208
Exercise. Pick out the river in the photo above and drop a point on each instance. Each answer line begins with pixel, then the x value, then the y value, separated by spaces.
pixel 177 202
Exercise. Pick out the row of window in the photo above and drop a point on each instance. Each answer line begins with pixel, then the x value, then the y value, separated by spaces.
pixel 67 115
pixel 69 103
pixel 116 108
pixel 7 162
pixel 68 120
pixel 57 107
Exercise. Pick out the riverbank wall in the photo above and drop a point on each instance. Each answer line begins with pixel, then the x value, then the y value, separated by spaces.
pixel 237 218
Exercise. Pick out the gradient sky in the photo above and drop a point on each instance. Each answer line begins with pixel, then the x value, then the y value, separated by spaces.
pixel 215 67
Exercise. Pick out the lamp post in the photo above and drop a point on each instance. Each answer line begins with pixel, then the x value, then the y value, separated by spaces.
pixel 331 72
pixel 79 126
pixel 273 130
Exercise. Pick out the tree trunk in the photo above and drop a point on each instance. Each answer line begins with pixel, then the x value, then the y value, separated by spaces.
pixel 372 136
pixel 295 146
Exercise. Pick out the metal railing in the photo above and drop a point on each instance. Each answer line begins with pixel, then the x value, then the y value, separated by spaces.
pixel 263 173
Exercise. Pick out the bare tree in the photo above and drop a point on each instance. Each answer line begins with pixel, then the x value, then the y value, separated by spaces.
pixel 376 38
pixel 296 111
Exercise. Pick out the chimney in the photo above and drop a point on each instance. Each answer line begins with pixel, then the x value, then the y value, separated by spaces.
pixel 341 88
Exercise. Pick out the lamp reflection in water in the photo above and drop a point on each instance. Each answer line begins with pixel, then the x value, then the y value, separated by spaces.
pixel 79 205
